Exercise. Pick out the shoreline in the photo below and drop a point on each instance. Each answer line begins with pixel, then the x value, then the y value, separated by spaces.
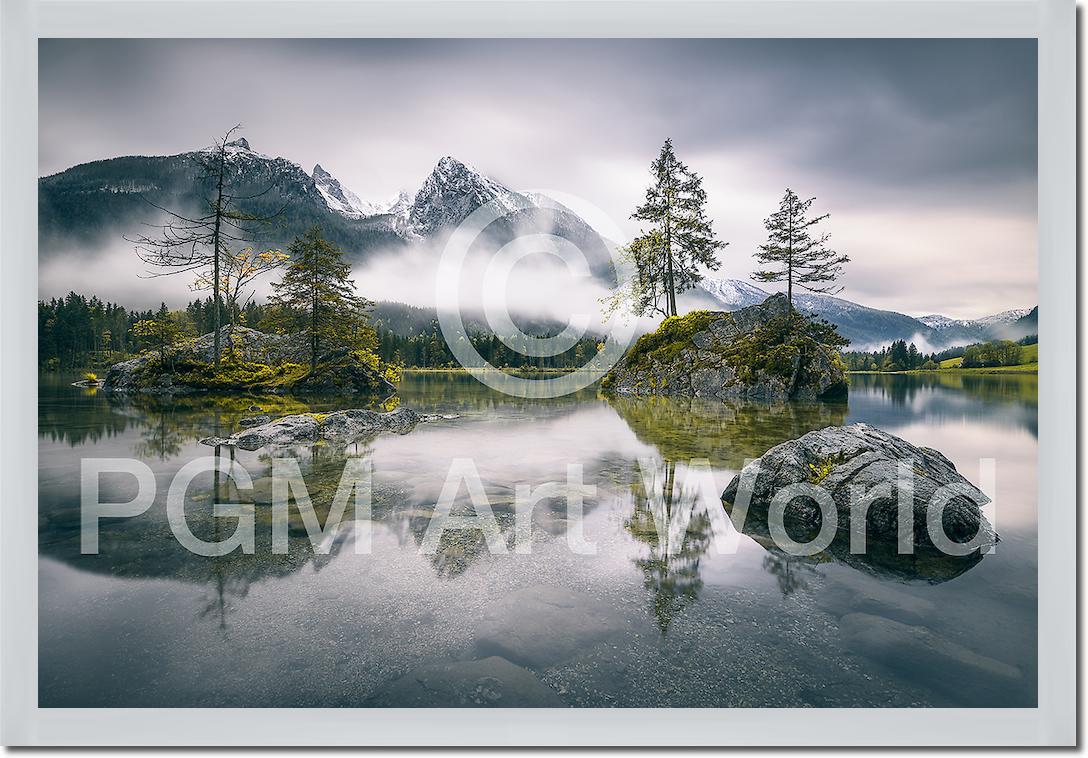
pixel 1027 369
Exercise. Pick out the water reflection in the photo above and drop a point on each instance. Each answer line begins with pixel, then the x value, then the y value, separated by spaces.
pixel 666 519
pixel 212 622
pixel 725 433
pixel 1009 400
pixel 880 559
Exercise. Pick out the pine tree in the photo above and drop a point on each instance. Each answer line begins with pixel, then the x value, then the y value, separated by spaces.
pixel 317 296
pixel 793 254
pixel 679 240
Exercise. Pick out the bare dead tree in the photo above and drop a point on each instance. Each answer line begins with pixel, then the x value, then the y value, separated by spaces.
pixel 197 242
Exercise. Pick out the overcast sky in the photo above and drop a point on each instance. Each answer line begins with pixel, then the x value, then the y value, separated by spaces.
pixel 923 151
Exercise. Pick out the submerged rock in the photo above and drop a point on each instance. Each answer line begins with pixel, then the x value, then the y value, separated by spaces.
pixel 492 682
pixel 543 625
pixel 846 463
pixel 698 355
pixel 341 426
pixel 934 661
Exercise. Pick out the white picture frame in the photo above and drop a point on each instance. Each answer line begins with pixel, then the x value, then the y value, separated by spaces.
pixel 1053 722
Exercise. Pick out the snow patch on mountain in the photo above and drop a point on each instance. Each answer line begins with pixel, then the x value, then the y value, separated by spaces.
pixel 944 323
pixel 400 204
pixel 1005 317
pixel 734 294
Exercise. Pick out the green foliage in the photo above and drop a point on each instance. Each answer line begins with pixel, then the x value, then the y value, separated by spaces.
pixel 785 347
pixel 822 469
pixel 674 334
pixel 991 354
pixel 233 375
pixel 90 376
pixel 162 332
pixel 900 356
pixel 76 331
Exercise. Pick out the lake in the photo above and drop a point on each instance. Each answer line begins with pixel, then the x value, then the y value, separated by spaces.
pixel 648 620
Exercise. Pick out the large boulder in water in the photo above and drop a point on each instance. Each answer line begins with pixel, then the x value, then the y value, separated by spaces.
pixel 859 467
pixel 714 354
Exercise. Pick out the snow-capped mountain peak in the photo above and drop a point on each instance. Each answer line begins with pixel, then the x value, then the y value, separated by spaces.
pixel 452 191
pixel 340 199
pixel 240 149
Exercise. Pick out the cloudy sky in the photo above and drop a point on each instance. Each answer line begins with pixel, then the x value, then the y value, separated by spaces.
pixel 923 151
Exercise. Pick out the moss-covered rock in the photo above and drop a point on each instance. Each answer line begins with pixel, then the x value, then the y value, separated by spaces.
pixel 765 352
pixel 251 361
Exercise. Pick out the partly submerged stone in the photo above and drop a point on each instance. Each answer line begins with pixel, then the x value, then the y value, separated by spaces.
pixel 340 426
pixel 254 421
pixel 492 682
pixel 358 422
pixel 694 356
pixel 858 466
pixel 288 430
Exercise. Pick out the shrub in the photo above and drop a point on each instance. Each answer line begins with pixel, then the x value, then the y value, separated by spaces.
pixel 237 374
pixel 781 346
pixel 90 376
pixel 674 334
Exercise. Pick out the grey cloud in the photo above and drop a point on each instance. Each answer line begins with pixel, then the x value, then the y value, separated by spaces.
pixel 921 128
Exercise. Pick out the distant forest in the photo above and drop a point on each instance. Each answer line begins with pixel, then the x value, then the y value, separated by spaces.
pixel 899 356
pixel 79 332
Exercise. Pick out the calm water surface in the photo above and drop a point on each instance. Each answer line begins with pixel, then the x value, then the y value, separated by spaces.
pixel 647 621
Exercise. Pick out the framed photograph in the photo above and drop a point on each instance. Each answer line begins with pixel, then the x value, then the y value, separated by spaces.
pixel 659 373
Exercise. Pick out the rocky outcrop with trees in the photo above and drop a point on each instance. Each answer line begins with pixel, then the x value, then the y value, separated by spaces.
pixel 253 360
pixel 763 352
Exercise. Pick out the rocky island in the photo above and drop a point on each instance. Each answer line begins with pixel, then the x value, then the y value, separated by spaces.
pixel 252 361
pixel 762 352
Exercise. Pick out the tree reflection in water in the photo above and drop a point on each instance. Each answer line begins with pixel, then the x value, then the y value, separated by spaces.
pixel 665 519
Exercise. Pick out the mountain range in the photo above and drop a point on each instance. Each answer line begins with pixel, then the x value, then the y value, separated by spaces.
pixel 870 328
pixel 97 202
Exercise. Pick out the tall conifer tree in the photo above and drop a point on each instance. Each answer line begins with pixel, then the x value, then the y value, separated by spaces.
pixel 317 297
pixel 794 254
pixel 680 237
